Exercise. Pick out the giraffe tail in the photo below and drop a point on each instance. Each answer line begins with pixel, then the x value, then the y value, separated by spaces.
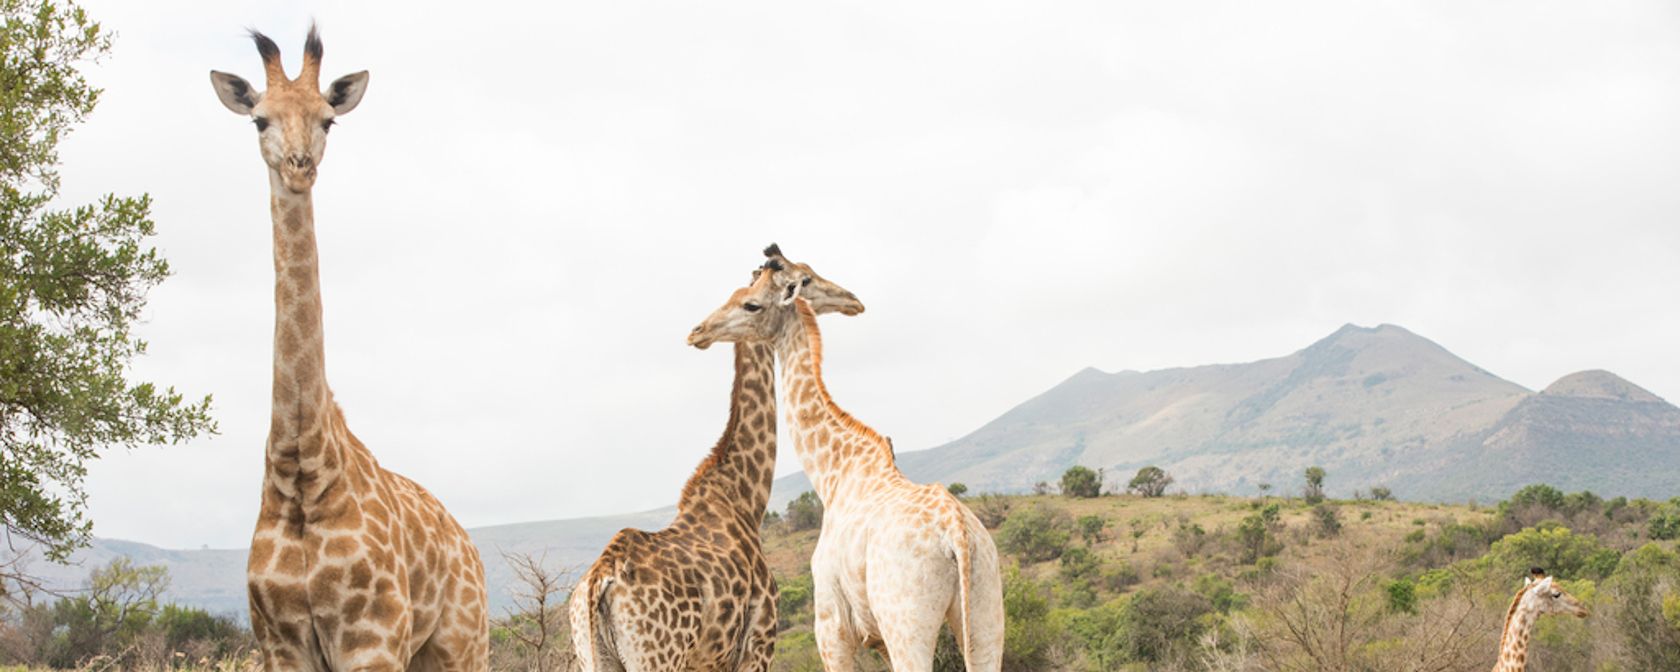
pixel 587 609
pixel 962 550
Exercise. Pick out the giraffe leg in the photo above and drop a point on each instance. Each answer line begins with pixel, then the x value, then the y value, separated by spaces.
pixel 837 640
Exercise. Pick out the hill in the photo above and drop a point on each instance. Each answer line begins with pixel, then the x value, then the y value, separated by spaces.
pixel 1375 406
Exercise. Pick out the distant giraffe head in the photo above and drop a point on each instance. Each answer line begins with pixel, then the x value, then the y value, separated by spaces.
pixel 753 313
pixel 824 296
pixel 293 115
pixel 1542 597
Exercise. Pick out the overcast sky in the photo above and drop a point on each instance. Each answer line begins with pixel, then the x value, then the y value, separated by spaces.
pixel 535 202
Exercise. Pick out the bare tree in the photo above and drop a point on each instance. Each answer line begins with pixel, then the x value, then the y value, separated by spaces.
pixel 537 620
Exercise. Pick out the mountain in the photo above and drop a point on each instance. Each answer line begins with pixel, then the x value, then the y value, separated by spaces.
pixel 1374 406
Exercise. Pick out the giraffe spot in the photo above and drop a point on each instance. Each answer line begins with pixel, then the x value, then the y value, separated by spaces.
pixel 290 561
pixel 359 639
pixel 339 547
pixel 384 607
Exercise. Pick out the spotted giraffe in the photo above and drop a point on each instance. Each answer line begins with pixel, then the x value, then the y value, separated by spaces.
pixel 894 558
pixel 1539 596
pixel 698 595
pixel 352 567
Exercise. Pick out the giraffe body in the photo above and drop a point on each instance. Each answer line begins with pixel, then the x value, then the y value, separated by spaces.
pixel 1537 598
pixel 895 558
pixel 352 567
pixel 697 595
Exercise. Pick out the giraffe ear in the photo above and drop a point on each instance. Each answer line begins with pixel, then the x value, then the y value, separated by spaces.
pixel 234 92
pixel 346 92
pixel 790 293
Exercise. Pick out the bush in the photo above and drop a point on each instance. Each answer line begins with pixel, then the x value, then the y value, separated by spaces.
pixel 1038 533
pixel 1160 622
pixel 1402 597
pixel 1091 527
pixel 1328 519
pixel 1029 631
pixel 1563 554
pixel 991 509
pixel 805 512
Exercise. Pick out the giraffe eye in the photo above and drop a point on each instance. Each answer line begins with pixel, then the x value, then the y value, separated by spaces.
pixel 1557 593
pixel 752 307
pixel 326 125
pixel 262 124
pixel 805 283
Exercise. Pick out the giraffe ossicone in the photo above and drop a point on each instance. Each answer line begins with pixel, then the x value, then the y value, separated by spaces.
pixel 352 567
pixel 894 558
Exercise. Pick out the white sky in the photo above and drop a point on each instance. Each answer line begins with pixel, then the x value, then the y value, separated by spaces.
pixel 536 201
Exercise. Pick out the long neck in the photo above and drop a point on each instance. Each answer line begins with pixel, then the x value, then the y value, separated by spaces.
pixel 1513 646
pixel 839 454
pixel 303 459
pixel 737 476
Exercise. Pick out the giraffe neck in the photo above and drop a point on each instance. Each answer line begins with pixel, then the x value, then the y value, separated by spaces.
pixel 1513 646
pixel 840 455
pixel 737 476
pixel 303 457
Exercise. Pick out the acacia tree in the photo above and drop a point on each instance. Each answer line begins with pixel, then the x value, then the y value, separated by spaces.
pixel 1150 481
pixel 1314 490
pixel 72 285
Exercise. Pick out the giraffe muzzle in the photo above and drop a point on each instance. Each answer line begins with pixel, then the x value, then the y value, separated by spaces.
pixel 699 338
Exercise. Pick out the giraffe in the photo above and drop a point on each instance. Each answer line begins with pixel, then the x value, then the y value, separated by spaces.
pixel 1539 596
pixel 352 567
pixel 698 595
pixel 894 558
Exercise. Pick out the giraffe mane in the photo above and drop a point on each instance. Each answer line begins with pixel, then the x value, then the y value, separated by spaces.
pixel 874 438
pixel 1506 631
pixel 725 442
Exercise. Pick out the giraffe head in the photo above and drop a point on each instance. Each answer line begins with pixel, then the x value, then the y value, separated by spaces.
pixel 824 296
pixel 755 312
pixel 293 115
pixel 1542 596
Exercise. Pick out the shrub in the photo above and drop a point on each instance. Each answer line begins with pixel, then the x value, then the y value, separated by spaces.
pixel 1160 622
pixel 1029 631
pixel 1091 527
pixel 1402 597
pixel 991 509
pixel 1329 520
pixel 1038 533
pixel 1080 482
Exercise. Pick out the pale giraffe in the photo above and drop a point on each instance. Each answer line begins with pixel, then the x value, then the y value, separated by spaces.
pixel 894 558
pixel 1539 596
pixel 698 595
pixel 352 567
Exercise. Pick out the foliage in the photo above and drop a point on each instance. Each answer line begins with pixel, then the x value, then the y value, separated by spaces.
pixel 957 489
pixel 1029 631
pixel 1091 527
pixel 1150 481
pixel 1314 490
pixel 1402 596
pixel 1648 581
pixel 1328 519
pixel 72 285
pixel 805 512
pixel 991 509
pixel 1382 494
pixel 1560 552
pixel 1160 622
pixel 1081 482
pixel 1663 527
pixel 1037 533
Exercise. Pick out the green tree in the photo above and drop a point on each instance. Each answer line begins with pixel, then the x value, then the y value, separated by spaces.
pixel 119 603
pixel 957 489
pixel 1314 491
pixel 805 512
pixel 1081 482
pixel 1091 527
pixel 72 284
pixel 1150 481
